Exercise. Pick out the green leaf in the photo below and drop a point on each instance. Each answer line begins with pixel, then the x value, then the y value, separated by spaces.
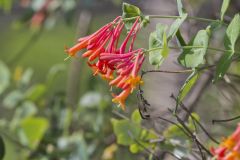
pixel 66 120
pixel 180 38
pixel 215 26
pixel 136 117
pixel 36 92
pixel 187 86
pixel 75 145
pixel 192 58
pixel 176 25
pixel 224 8
pixel 232 33
pixel 145 20
pixel 2 148
pixel 34 129
pixel 80 149
pixel 176 141
pixel 4 78
pixel 182 151
pixel 191 120
pixel 26 77
pixel 158 39
pixel 26 109
pixel 130 11
pixel 231 36
pixel 173 132
pixel 13 99
pixel 181 10
pixel 124 129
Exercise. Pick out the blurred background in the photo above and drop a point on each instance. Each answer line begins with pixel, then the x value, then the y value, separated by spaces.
pixel 51 109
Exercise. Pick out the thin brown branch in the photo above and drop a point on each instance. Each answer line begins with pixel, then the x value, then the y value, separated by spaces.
pixel 225 120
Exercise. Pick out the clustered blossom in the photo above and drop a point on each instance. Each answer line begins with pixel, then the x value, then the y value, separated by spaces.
pixel 119 64
pixel 229 148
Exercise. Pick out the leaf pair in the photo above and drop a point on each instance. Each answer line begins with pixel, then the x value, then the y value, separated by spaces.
pixel 159 45
pixel 158 40
pixel 231 36
pixel 194 56
pixel 130 133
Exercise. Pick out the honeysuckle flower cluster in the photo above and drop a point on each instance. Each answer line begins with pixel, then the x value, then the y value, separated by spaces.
pixel 117 63
pixel 229 148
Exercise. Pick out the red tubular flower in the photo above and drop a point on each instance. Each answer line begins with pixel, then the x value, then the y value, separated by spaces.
pixel 127 75
pixel 97 40
pixel 229 149
pixel 116 65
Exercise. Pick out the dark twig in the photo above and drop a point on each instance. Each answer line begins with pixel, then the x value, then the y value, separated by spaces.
pixel 200 150
pixel 142 104
pixel 195 120
pixel 174 123
pixel 225 120
pixel 120 115
pixel 192 135
pixel 177 71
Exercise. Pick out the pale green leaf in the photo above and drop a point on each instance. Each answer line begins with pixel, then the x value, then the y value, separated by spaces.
pixel 36 92
pixel 187 86
pixel 26 109
pixel 192 58
pixel 12 99
pixel 180 7
pixel 125 131
pixel 175 26
pixel 173 131
pixel 231 36
pixel 191 121
pixel 26 77
pixel 158 41
pixel 136 117
pixel 34 129
pixel 224 8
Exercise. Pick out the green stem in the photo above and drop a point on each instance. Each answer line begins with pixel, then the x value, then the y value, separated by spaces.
pixel 188 17
pixel 190 47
